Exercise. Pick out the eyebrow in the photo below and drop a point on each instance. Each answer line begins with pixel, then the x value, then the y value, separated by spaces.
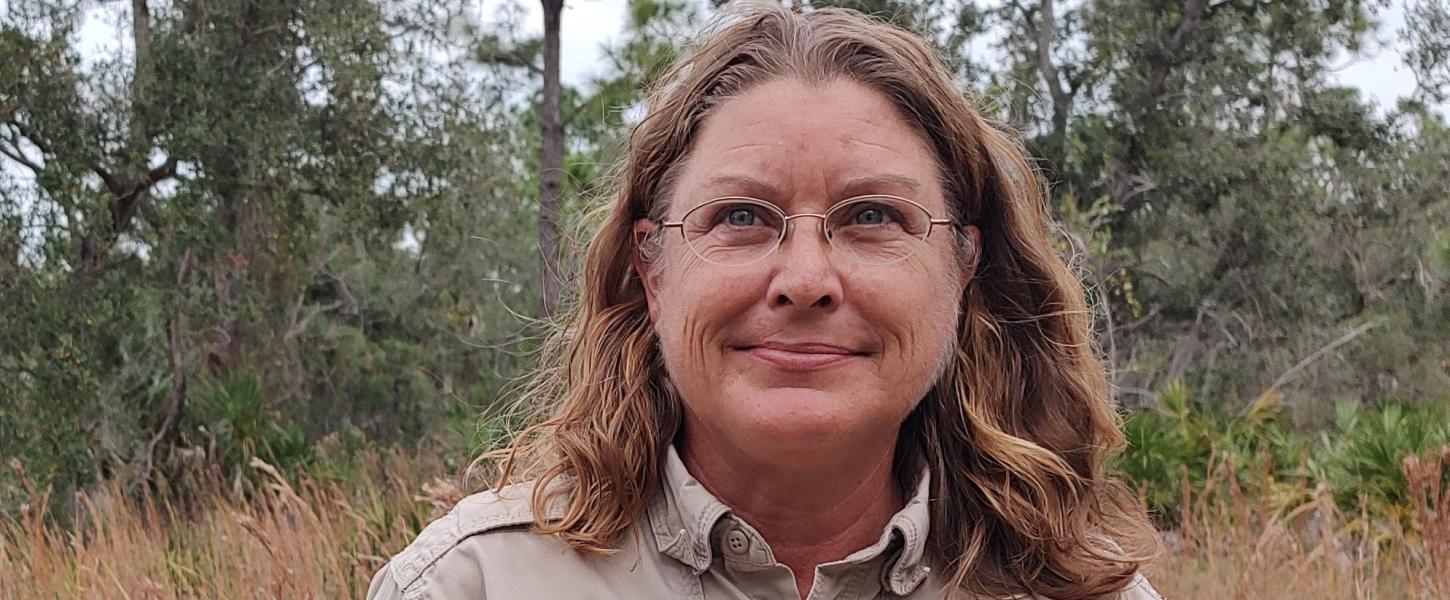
pixel 864 184
pixel 855 186
pixel 748 185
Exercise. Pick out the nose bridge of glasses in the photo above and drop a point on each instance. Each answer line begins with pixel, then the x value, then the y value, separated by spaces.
pixel 786 225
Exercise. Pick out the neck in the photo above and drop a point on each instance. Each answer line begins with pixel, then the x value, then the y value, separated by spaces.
pixel 810 513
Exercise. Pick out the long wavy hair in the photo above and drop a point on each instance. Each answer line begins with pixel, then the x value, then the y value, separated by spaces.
pixel 1016 431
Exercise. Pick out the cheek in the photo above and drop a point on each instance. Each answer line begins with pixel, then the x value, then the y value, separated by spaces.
pixel 697 305
pixel 919 305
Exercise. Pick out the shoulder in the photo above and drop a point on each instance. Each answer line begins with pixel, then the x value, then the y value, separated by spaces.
pixel 439 544
pixel 1139 589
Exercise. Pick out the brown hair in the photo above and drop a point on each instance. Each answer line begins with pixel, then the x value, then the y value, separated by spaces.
pixel 1017 430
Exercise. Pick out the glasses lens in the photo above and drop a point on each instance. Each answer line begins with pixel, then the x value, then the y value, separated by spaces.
pixel 733 231
pixel 877 230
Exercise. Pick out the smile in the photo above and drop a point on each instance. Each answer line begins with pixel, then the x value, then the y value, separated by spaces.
pixel 801 357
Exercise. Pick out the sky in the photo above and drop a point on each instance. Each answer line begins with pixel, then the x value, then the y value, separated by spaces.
pixel 589 24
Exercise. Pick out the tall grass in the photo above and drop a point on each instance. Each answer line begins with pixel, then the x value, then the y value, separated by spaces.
pixel 1232 545
pixel 287 539
pixel 1240 530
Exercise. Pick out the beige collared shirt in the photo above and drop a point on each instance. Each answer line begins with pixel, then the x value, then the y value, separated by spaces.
pixel 687 545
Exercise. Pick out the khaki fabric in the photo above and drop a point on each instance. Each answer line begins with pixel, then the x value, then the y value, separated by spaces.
pixel 687 545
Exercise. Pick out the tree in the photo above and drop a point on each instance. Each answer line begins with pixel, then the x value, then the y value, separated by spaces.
pixel 551 172
pixel 1221 187
pixel 317 179
pixel 1426 22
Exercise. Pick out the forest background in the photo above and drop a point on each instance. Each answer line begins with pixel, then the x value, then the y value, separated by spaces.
pixel 281 245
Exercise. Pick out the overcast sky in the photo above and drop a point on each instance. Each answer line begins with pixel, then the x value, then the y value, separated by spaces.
pixel 588 24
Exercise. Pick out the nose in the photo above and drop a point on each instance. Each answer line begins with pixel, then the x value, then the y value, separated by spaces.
pixel 805 274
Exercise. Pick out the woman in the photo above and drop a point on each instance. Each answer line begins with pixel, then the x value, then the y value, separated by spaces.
pixel 823 347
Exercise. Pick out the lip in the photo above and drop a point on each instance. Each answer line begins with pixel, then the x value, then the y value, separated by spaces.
pixel 807 356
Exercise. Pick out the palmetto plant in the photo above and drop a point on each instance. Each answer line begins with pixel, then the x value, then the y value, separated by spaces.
pixel 234 415
pixel 1364 458
pixel 1165 448
pixel 1170 451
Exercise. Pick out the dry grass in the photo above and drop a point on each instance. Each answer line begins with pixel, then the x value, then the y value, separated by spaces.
pixel 325 541
pixel 307 540
pixel 1290 543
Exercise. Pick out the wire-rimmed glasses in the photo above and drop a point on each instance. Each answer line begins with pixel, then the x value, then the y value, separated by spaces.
pixel 736 231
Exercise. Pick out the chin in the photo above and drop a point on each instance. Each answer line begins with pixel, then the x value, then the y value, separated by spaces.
pixel 798 419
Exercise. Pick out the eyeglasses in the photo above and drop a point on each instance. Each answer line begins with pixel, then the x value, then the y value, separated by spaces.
pixel 871 230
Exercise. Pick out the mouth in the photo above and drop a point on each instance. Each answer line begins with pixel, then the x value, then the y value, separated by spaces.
pixel 809 356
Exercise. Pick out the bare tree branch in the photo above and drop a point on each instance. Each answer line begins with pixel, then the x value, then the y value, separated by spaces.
pixel 167 429
pixel 1193 13
pixel 1293 371
pixel 493 50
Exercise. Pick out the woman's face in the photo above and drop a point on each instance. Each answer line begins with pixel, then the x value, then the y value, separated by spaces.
pixel 804 352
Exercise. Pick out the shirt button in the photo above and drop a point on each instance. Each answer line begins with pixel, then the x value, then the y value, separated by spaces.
pixel 737 541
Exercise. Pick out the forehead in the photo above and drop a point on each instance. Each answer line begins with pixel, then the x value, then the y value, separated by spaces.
pixel 789 142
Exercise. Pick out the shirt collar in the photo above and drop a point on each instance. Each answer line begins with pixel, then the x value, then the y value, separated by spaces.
pixel 683 514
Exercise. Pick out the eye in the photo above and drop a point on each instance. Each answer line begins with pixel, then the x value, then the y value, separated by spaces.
pixel 733 218
pixel 872 213
pixel 740 216
pixel 869 216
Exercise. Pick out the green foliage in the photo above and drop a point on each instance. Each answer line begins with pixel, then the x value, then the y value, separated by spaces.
pixel 1160 456
pixel 1439 253
pixel 1177 444
pixel 234 417
pixel 310 194
pixel 1363 459
pixel 1258 211
pixel 1180 446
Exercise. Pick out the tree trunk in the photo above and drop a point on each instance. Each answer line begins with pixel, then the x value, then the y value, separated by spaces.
pixel 1061 94
pixel 130 183
pixel 551 170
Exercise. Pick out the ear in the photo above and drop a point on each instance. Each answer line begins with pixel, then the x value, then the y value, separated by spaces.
pixel 974 237
pixel 643 228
